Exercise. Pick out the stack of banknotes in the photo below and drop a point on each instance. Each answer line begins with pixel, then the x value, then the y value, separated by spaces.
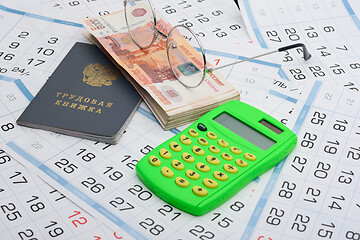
pixel 172 103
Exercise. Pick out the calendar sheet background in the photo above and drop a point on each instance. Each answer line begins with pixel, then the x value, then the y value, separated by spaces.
pixel 260 85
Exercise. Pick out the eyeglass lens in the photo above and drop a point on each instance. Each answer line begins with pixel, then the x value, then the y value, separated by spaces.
pixel 140 22
pixel 187 63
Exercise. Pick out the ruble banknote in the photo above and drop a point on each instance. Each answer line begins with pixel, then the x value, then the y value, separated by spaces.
pixel 172 103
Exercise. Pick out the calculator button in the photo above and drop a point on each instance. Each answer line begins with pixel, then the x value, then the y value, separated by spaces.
pixel 227 156
pixel 193 133
pixel 203 141
pixel 185 140
pixel 220 176
pixel 198 150
pixel 211 135
pixel 165 153
pixel 223 143
pixel 250 156
pixel 175 146
pixel 241 163
pixel 212 160
pixel 167 172
pixel 214 149
pixel 202 127
pixel 230 168
pixel 154 161
pixel 199 191
pixel 177 164
pixel 202 167
pixel 187 157
pixel 235 150
pixel 192 174
pixel 210 183
pixel 181 182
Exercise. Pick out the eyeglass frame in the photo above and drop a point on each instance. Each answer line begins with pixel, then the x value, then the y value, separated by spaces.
pixel 157 32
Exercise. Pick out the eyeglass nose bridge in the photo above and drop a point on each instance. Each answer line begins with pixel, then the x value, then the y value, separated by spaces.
pixel 158 32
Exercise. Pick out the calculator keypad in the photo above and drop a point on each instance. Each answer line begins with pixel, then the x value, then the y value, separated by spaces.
pixel 216 146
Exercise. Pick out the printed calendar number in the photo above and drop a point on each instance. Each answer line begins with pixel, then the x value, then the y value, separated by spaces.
pixel 4 158
pixel 168 210
pixel 10 210
pixel 138 191
pixel 79 221
pixel 53 229
pixel 35 205
pixel 300 222
pixel 149 224
pixel 222 222
pixel 66 166
pixel 200 232
pixel 93 185
pixel 7 127
pixel 311 194
pixel 274 217
pixel 28 234
pixel 118 203
pixel 130 163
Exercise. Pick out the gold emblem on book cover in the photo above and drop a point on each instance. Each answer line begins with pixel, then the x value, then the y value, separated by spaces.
pixel 98 75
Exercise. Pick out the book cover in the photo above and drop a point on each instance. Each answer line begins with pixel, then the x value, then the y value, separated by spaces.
pixel 86 96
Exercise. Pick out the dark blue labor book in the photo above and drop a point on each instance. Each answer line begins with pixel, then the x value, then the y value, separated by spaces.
pixel 86 96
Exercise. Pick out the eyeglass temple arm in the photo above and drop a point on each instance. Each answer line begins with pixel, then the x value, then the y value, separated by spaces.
pixel 307 55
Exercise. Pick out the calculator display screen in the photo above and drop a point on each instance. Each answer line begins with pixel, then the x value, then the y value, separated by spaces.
pixel 244 131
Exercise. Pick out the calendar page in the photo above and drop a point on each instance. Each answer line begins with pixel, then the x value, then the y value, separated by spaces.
pixel 36 44
pixel 329 29
pixel 316 192
pixel 211 21
pixel 32 209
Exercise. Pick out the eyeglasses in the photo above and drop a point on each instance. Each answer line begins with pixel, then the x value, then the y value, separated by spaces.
pixel 189 69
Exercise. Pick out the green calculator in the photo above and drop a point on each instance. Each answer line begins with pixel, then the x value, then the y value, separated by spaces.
pixel 207 163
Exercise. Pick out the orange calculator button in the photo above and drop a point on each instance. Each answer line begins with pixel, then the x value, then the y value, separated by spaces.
pixel 192 174
pixel 202 167
pixel 210 183
pixel 203 141
pixel 227 156
pixel 235 150
pixel 165 153
pixel 223 143
pixel 230 168
pixel 199 191
pixel 198 150
pixel 250 156
pixel 241 163
pixel 177 164
pixel 165 171
pixel 212 160
pixel 185 140
pixel 220 176
pixel 181 182
pixel 154 161
pixel 175 146
pixel 187 157
pixel 193 133
pixel 214 149
pixel 211 135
